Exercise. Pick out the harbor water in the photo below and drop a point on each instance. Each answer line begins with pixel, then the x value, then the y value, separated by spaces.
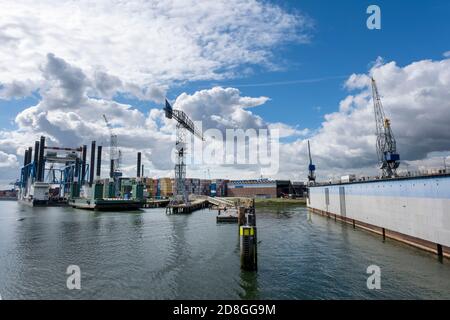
pixel 150 255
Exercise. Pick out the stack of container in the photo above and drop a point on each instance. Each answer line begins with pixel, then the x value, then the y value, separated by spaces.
pixel 220 186
pixel 150 187
pixel 165 187
pixel 205 187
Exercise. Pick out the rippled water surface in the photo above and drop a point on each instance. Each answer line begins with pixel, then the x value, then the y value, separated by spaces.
pixel 150 255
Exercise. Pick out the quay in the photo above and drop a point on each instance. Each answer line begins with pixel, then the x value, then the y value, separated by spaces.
pixel 183 208
pixel 155 203
pixel 227 217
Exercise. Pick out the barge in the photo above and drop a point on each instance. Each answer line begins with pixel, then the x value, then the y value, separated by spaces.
pixel 113 204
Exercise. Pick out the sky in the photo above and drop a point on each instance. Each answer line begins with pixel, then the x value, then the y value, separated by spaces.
pixel 298 66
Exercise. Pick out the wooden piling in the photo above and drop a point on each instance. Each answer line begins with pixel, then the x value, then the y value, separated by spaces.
pixel 440 252
pixel 241 216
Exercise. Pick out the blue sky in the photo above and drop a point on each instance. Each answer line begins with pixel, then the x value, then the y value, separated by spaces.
pixel 340 46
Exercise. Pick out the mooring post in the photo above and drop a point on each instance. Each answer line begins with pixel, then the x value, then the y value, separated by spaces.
pixel 248 247
pixel 248 238
pixel 241 216
pixel 354 225
pixel 440 252
pixel 384 234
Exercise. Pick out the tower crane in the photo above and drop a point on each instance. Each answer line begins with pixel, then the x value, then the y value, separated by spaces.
pixel 311 168
pixel 114 156
pixel 183 124
pixel 388 157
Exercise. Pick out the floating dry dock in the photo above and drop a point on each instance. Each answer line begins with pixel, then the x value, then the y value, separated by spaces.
pixel 414 210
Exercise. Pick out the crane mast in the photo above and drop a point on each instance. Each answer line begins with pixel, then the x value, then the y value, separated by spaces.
pixel 388 158
pixel 114 157
pixel 311 168
pixel 183 124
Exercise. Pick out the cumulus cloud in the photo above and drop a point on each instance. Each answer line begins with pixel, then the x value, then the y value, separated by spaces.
pixel 68 116
pixel 222 108
pixel 16 89
pixel 143 46
pixel 8 160
pixel 415 97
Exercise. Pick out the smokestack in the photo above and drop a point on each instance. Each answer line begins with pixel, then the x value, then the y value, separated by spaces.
pixel 99 161
pixel 41 166
pixel 138 165
pixel 83 164
pixel 92 164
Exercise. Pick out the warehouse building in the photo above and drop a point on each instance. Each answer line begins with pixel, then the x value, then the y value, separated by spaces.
pixel 260 188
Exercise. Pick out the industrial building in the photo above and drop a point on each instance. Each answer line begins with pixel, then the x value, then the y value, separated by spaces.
pixel 260 188
pixel 300 189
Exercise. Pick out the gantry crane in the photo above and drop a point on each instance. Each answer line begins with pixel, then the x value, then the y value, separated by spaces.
pixel 183 124
pixel 114 157
pixel 388 157
pixel 311 168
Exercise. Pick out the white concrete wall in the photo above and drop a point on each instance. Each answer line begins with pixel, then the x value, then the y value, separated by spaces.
pixel 415 207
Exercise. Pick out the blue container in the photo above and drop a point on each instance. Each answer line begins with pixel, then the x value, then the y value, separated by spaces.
pixel 213 189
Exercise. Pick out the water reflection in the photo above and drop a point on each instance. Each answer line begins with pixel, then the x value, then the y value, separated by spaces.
pixel 249 285
pixel 149 255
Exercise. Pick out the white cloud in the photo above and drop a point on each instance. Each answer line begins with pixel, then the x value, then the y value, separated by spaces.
pixel 446 54
pixel 143 46
pixel 8 160
pixel 16 89
pixel 287 130
pixel 221 108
